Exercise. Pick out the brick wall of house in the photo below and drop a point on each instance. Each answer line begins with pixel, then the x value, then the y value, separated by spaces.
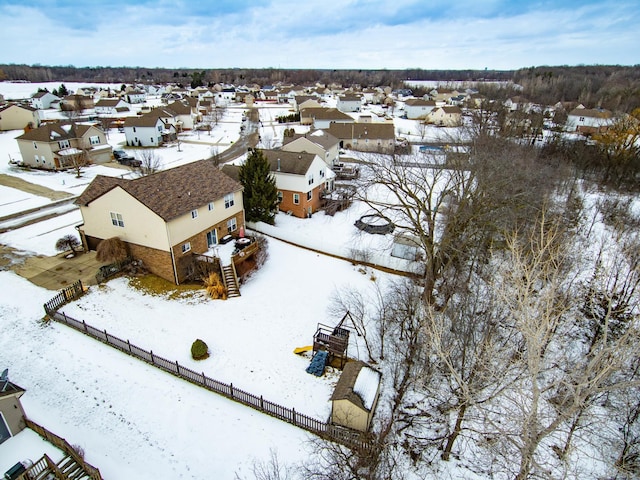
pixel 300 210
pixel 198 244
pixel 156 261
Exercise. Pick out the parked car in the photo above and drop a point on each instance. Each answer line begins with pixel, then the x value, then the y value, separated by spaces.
pixel 123 158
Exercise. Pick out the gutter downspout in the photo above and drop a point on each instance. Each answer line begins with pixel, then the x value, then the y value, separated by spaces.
pixel 173 259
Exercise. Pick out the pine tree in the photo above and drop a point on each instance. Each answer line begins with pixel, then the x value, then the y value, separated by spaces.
pixel 260 194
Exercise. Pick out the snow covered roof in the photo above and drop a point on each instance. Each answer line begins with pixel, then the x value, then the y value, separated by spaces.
pixel 359 384
pixel 366 386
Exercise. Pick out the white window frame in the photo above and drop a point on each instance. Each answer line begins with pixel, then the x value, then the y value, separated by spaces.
pixel 309 195
pixel 94 140
pixel 280 196
pixel 194 213
pixel 211 206
pixel 186 247
pixel 229 200
pixel 296 199
pixel 63 144
pixel 116 219
pixel 232 225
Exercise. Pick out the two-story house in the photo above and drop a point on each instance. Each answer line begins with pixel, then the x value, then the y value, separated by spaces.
pixel 149 130
pixel 43 100
pixel 320 142
pixel 165 217
pixel 445 116
pixel 62 145
pixel 301 180
pixel 15 116
pixel 418 108
pixel 589 120
pixel 349 103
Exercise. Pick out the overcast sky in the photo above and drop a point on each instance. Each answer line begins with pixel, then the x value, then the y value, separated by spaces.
pixel 362 34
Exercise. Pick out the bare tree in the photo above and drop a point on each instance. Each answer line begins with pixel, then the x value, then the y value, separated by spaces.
pixel 68 242
pixel 150 162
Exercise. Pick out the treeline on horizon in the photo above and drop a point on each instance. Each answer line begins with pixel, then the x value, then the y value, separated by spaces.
pixel 613 87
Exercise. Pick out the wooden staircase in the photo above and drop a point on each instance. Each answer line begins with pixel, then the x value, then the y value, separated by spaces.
pixel 230 280
pixel 66 469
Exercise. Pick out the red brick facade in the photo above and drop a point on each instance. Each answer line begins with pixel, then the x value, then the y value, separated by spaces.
pixel 301 209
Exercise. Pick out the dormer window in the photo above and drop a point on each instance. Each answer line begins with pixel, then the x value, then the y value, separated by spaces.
pixel 63 144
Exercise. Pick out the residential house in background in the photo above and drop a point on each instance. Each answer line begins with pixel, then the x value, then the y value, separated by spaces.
pixel 365 137
pixel 321 118
pixel 301 179
pixel 164 218
pixel 43 100
pixel 445 116
pixel 135 95
pixel 62 145
pixel 418 108
pixel 149 130
pixel 76 102
pixel 349 103
pixel 111 106
pixel 14 116
pixel 589 120
pixel 320 142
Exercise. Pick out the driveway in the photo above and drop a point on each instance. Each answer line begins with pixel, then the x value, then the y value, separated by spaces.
pixel 55 273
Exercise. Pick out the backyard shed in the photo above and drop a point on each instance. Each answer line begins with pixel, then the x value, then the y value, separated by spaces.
pixel 355 397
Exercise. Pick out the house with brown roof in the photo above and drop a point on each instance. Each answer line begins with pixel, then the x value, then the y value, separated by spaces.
pixel 76 102
pixel 152 129
pixel 589 120
pixel 418 108
pixel 365 137
pixel 355 397
pixel 15 116
pixel 320 142
pixel 321 118
pixel 164 218
pixel 445 116
pixel 111 106
pixel 43 100
pixel 349 103
pixel 301 178
pixel 62 145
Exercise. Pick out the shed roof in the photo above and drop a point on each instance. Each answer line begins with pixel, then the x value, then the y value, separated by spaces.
pixel 358 384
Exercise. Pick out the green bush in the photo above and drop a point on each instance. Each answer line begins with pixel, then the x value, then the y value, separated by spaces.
pixel 199 350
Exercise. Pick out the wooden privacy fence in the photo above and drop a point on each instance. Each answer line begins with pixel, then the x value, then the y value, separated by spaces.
pixel 63 297
pixel 350 438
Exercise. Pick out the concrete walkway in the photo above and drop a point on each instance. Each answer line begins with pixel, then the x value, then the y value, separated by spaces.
pixel 55 273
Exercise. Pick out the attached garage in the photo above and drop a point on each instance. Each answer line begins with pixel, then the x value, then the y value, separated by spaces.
pixel 355 397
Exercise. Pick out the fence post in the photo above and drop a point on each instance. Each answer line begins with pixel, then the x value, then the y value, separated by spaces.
pixel 106 336
pixel 65 317
pixel 231 386
pixel 294 416
pixel 261 403
pixel 204 379
pixel 152 361
pixel 84 325
pixel 129 345
pixel 177 367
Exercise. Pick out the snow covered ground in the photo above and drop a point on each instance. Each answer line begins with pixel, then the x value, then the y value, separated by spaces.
pixel 132 420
